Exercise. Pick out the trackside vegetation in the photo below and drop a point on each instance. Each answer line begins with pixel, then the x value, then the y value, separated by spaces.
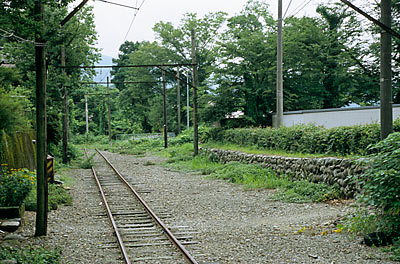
pixel 311 139
pixel 379 200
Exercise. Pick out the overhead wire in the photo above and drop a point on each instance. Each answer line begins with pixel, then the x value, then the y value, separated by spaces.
pixel 287 8
pixel 113 3
pixel 133 19
pixel 300 7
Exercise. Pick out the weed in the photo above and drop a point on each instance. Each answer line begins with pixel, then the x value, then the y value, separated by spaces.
pixel 57 196
pixel 305 192
pixel 149 163
pixel 87 163
pixel 33 255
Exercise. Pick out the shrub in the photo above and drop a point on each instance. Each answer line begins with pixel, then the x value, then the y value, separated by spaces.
pixel 381 182
pixel 15 185
pixel 311 139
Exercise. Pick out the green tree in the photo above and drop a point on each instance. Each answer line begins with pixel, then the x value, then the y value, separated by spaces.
pixel 246 74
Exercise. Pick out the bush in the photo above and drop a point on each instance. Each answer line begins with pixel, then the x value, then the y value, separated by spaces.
pixel 309 139
pixel 15 185
pixel 381 182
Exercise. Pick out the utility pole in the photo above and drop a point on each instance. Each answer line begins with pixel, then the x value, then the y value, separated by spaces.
pixel 41 119
pixel 386 97
pixel 109 108
pixel 87 114
pixel 386 71
pixel 66 108
pixel 178 88
pixel 279 78
pixel 165 109
pixel 195 80
pixel 187 100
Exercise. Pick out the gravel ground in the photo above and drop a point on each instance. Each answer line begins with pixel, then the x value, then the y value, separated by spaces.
pixel 234 225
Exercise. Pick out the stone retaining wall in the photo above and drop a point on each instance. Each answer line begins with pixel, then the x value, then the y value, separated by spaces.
pixel 327 170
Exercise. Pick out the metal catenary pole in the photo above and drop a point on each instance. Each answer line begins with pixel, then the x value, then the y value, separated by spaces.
pixel 109 108
pixel 87 114
pixel 195 81
pixel 178 99
pixel 187 100
pixel 165 109
pixel 279 78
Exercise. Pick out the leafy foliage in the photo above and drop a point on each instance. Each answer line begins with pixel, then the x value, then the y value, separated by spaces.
pixel 381 182
pixel 15 185
pixel 311 139
pixel 57 196
pixel 304 192
pixel 33 255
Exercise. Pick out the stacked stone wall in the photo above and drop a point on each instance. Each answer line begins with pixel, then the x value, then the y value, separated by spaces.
pixel 327 170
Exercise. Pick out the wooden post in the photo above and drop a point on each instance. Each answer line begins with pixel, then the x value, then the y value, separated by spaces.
pixel 195 80
pixel 109 108
pixel 386 71
pixel 165 109
pixel 41 132
pixel 178 88
pixel 279 78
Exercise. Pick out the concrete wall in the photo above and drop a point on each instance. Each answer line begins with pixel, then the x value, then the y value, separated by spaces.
pixel 336 116
pixel 327 170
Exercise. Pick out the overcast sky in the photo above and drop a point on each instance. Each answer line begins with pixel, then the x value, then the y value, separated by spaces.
pixel 112 22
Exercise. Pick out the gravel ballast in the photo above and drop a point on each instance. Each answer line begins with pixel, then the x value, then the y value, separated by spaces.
pixel 233 225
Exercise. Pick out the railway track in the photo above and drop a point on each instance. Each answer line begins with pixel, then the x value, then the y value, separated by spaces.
pixel 142 236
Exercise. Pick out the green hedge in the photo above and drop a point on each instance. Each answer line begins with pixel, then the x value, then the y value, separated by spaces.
pixel 353 140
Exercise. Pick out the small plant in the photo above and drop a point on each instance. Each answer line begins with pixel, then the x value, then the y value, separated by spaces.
pixel 88 163
pixel 305 192
pixel 57 196
pixel 32 255
pixel 15 185
pixel 250 175
pixel 149 163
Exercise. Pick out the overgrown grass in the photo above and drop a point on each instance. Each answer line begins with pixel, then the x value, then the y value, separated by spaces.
pixel 58 195
pixel 32 255
pixel 258 151
pixel 305 192
pixel 251 176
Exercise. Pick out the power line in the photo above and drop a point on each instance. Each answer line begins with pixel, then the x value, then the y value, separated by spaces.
pixel 133 19
pixel 300 7
pixel 108 2
pixel 287 8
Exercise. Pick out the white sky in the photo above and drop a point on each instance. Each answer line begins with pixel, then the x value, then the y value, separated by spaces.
pixel 112 22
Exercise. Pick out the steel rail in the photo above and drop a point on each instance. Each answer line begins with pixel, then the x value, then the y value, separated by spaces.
pixel 169 234
pixel 110 217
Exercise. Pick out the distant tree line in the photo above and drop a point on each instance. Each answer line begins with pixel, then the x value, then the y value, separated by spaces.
pixel 331 60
